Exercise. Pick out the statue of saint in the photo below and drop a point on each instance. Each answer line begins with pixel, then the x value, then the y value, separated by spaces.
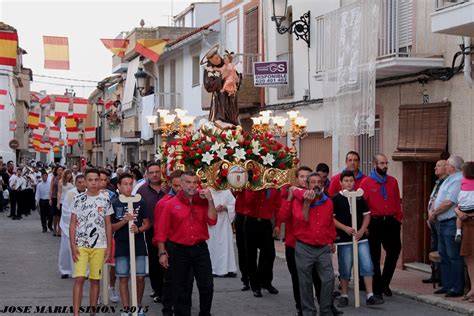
pixel 222 81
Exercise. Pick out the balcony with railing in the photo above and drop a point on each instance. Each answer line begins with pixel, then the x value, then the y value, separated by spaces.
pixel 455 17
pixel 402 48
pixel 168 100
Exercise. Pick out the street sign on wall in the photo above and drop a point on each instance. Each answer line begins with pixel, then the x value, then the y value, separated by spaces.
pixel 268 74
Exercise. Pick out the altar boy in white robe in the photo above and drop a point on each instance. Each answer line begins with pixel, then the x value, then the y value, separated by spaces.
pixel 220 242
pixel 65 257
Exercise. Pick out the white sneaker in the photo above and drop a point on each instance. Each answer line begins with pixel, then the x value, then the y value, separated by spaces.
pixel 113 296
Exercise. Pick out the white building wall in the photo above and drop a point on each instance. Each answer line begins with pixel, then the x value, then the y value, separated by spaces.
pixel 6 83
pixel 192 96
pixel 205 13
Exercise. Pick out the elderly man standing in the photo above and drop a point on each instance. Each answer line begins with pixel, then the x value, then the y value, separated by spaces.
pixel 440 172
pixel 452 264
pixel 382 195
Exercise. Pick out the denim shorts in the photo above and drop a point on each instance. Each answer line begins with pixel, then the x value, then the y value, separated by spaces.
pixel 122 266
pixel 344 257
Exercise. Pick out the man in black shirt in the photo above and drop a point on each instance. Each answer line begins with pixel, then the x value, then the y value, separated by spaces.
pixel 345 232
pixel 122 249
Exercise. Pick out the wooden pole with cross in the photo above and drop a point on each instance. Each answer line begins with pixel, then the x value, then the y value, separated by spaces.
pixel 352 197
pixel 131 238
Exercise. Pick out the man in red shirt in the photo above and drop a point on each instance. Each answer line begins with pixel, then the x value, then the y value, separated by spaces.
pixel 258 230
pixel 352 164
pixel 315 233
pixel 183 226
pixel 166 299
pixel 383 199
pixel 241 212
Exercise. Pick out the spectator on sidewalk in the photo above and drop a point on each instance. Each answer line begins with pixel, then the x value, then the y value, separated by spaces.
pixel 440 172
pixel 352 164
pixel 343 222
pixel 53 200
pixel 42 200
pixel 452 264
pixel 141 223
pixel 382 195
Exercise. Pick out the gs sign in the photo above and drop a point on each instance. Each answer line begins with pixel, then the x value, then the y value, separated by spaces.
pixel 267 74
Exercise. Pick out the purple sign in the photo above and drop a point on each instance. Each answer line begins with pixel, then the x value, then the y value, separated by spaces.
pixel 274 73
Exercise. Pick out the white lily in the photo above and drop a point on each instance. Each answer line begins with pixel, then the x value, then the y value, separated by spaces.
pixel 256 150
pixel 158 156
pixel 240 153
pixel 207 158
pixel 268 159
pixel 215 147
pixel 255 143
pixel 171 150
pixel 195 136
pixel 232 144
pixel 221 153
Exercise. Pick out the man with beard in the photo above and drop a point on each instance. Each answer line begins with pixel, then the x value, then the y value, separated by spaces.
pixel 352 164
pixel 383 199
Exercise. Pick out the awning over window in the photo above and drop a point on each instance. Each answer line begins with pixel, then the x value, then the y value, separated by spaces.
pixel 422 132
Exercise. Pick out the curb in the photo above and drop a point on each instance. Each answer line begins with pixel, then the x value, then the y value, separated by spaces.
pixel 437 301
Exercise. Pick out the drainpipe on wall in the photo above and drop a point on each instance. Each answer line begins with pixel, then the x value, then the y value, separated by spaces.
pixel 467 61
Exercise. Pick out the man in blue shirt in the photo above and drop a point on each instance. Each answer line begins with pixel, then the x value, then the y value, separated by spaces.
pixel 452 264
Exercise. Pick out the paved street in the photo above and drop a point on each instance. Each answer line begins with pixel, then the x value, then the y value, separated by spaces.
pixel 29 276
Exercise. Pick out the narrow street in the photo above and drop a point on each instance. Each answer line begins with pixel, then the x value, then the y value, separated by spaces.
pixel 29 277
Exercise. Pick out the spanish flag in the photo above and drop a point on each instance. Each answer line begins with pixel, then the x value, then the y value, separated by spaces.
pixel 33 120
pixel 56 52
pixel 150 48
pixel 71 123
pixel 8 48
pixel 116 46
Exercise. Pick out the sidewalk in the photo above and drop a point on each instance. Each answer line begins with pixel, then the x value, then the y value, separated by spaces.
pixel 407 283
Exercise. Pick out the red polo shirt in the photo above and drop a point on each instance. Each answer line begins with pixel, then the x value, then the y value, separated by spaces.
pixel 319 230
pixel 184 222
pixel 157 213
pixel 263 203
pixel 335 185
pixel 377 205
pixel 284 216
pixel 240 205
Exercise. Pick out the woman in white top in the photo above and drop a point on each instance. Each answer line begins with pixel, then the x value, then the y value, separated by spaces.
pixel 65 185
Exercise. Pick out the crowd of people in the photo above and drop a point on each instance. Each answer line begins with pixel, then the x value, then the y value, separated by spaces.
pixel 186 231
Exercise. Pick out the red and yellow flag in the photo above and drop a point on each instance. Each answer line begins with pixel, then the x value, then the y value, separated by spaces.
pixel 71 123
pixel 61 106
pixel 8 48
pixel 72 136
pixel 56 52
pixel 150 48
pixel 33 120
pixel 116 46
pixel 89 134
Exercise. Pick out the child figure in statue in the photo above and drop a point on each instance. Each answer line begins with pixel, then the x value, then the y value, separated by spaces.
pixel 229 75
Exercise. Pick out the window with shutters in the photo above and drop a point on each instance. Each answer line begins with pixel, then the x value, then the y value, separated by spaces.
pixel 172 83
pixel 368 146
pixel 250 39
pixel 396 28
pixel 196 71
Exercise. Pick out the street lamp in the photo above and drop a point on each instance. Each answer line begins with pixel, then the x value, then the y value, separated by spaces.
pixel 141 76
pixel 299 27
pixel 99 104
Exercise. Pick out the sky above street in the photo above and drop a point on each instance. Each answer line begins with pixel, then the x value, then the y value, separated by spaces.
pixel 84 23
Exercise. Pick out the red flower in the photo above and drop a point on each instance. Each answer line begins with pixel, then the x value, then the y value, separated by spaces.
pixel 287 148
pixel 218 181
pixel 245 135
pixel 274 148
pixel 265 150
pixel 199 141
pixel 247 142
pixel 185 155
pixel 203 138
pixel 224 172
pixel 194 145
pixel 213 139
pixel 262 137
pixel 241 143
pixel 269 135
pixel 234 132
pixel 280 146
pixel 282 154
pixel 254 137
pixel 192 153
pixel 199 151
pixel 223 135
pixel 207 147
pixel 186 148
pixel 249 151
pixel 230 152
pixel 197 162
pixel 281 166
pixel 297 161
pixel 215 156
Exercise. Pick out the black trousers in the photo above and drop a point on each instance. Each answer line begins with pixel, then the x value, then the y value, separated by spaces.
pixel 154 266
pixel 241 251
pixel 259 236
pixel 384 231
pixel 291 264
pixel 182 260
pixel 13 202
pixel 29 200
pixel 45 213
pixel 22 203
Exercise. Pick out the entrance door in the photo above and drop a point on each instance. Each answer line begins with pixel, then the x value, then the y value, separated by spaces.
pixel 418 181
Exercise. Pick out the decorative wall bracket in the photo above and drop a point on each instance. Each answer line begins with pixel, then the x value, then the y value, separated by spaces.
pixel 301 28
